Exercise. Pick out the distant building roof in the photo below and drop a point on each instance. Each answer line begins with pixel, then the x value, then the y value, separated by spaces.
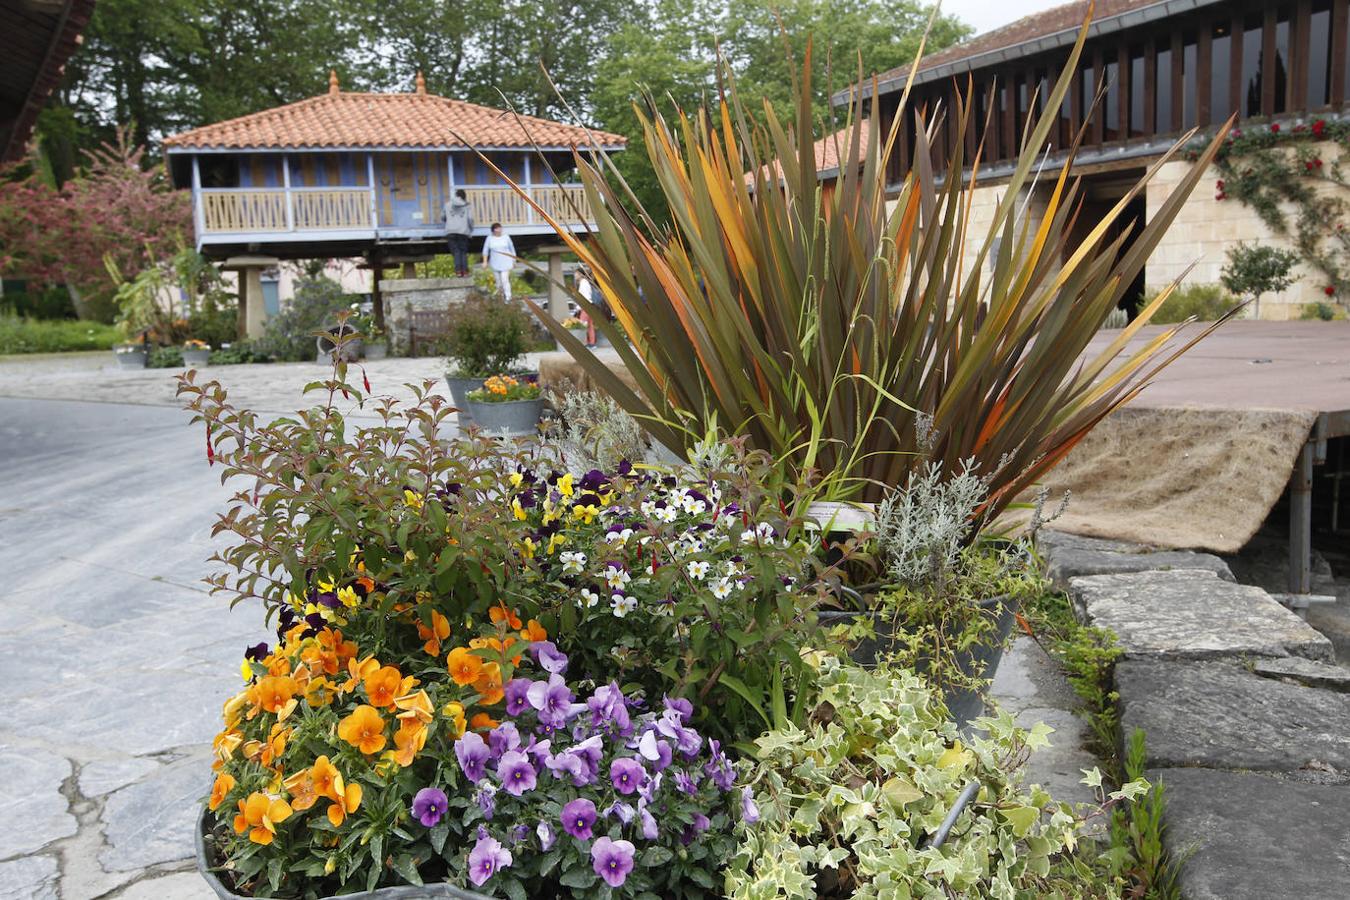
pixel 1039 32
pixel 828 151
pixel 36 40
pixel 342 119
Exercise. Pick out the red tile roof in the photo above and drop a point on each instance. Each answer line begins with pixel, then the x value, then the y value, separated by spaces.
pixel 1068 17
pixel 343 119
pixel 828 151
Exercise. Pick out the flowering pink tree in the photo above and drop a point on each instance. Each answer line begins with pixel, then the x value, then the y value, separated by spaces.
pixel 112 209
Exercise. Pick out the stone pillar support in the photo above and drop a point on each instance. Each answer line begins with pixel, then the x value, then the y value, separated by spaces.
pixel 557 294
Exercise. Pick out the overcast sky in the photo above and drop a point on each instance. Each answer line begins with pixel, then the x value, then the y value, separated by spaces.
pixel 986 15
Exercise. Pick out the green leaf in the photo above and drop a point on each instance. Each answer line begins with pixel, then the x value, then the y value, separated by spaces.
pixel 439 832
pixel 581 877
pixel 403 865
pixel 756 702
pixel 656 856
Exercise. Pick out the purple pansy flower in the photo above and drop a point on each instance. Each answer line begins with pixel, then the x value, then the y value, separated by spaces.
pixel 516 700
pixel 723 775
pixel 516 772
pixel 577 818
pixel 568 764
pixel 472 752
pixel 680 706
pixel 749 809
pixel 607 707
pixel 429 806
pixel 486 798
pixel 503 738
pixel 486 858
pixel 686 784
pixel 686 739
pixel 648 823
pixel 694 829
pixel 549 657
pixel 552 699
pixel 654 750
pixel 547 836
pixel 612 860
pixel 627 775
pixel 621 811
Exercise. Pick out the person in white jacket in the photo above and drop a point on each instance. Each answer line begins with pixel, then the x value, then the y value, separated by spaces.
pixel 499 255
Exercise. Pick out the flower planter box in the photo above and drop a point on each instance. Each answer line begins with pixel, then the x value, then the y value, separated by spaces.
pixel 196 359
pixel 980 660
pixel 459 391
pixel 207 856
pixel 514 417
pixel 132 356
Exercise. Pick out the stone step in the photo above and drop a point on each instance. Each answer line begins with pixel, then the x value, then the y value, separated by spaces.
pixel 1244 836
pixel 1306 672
pixel 1192 614
pixel 1068 556
pixel 1219 715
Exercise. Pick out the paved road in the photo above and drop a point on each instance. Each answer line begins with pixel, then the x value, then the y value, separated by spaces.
pixel 115 658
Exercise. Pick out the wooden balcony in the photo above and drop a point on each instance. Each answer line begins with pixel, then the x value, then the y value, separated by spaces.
pixel 279 213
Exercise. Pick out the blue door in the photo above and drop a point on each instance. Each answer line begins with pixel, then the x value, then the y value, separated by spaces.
pixel 402 205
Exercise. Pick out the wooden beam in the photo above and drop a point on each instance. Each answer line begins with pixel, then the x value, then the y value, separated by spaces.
pixel 1235 93
pixel 1268 60
pixel 1204 58
pixel 1299 59
pixel 1339 11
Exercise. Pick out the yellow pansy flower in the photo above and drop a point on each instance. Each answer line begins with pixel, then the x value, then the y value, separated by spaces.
pixel 565 485
pixel 414 501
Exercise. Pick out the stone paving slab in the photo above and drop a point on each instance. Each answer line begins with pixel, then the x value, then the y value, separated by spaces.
pixel 28 878
pixel 1306 672
pixel 1070 556
pixel 33 813
pixel 1192 614
pixel 1254 837
pixel 152 822
pixel 1219 715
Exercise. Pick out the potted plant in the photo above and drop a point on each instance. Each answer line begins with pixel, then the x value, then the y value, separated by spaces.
pixel 196 354
pixel 372 336
pixel 440 712
pixel 484 337
pixel 576 327
pixel 504 404
pixel 132 356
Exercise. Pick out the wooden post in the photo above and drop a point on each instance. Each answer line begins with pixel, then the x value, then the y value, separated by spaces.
pixel 241 321
pixel 376 301
pixel 286 186
pixel 1300 522
pixel 374 200
pixel 557 294
pixel 529 189
pixel 198 220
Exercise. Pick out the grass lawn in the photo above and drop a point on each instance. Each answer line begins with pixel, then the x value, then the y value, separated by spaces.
pixel 53 335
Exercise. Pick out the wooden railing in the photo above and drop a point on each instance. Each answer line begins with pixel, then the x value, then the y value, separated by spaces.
pixel 329 209
pixel 252 210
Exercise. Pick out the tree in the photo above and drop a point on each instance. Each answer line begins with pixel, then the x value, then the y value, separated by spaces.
pixel 1256 269
pixel 113 210
pixel 671 53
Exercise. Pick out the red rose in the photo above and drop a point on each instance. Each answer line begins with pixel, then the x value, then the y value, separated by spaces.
pixel 1317 163
pixel 1275 128
pixel 1219 184
pixel 1329 291
pixel 1318 127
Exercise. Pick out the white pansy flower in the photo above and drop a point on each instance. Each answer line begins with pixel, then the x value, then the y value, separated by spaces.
pixel 648 508
pixel 664 514
pixel 588 598
pixel 622 605
pixel 615 577
pixel 693 505
pixel 573 562
pixel 722 589
pixel 698 569
pixel 619 537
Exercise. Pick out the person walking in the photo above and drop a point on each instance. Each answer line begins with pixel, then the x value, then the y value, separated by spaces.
pixel 458 217
pixel 499 255
pixel 587 292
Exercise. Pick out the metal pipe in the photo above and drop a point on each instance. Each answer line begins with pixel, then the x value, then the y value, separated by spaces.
pixel 966 795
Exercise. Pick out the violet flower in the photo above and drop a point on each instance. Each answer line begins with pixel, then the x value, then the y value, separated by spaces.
pixel 648 822
pixel 694 829
pixel 577 818
pixel 552 700
pixel 654 750
pixel 516 700
pixel 627 775
pixel 749 809
pixel 516 772
pixel 503 738
pixel 549 657
pixel 486 798
pixel 612 860
pixel 486 858
pixel 547 836
pixel 429 806
pixel 472 752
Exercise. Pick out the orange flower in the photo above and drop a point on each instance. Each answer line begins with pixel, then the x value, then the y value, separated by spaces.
pixel 455 712
pixel 382 686
pixel 301 788
pixel 363 729
pixel 327 779
pixel 319 692
pixel 345 804
pixel 223 785
pixel 273 692
pixel 482 643
pixel 489 685
pixel 500 613
pixel 465 667
pixel 534 632
pixel 225 743
pixel 410 738
pixel 483 722
pixel 366 582
pixel 439 631
pixel 415 707
pixel 359 671
pixel 259 816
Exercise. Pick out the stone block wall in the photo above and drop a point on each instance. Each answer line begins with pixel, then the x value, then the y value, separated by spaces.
pixel 1205 228
pixel 403 295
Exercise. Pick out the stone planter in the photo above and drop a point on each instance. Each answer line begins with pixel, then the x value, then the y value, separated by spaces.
pixel 980 660
pixel 378 350
pixel 578 333
pixel 208 854
pixel 196 359
pixel 459 390
pixel 131 356
pixel 514 417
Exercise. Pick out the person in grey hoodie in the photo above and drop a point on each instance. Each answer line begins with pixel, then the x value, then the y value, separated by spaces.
pixel 458 226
